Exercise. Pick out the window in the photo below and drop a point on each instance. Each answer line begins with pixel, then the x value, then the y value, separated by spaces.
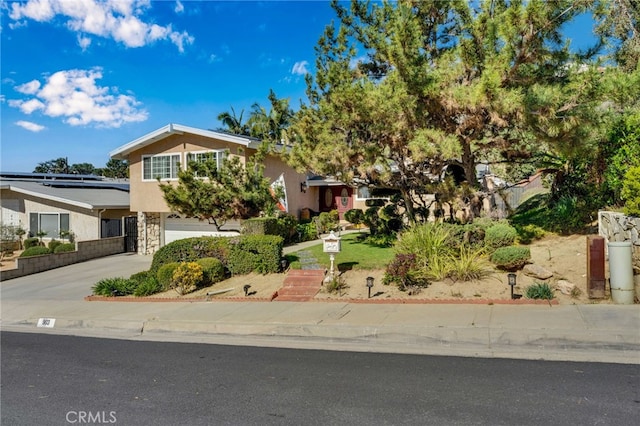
pixel 51 223
pixel 217 156
pixel 160 166
pixel 363 193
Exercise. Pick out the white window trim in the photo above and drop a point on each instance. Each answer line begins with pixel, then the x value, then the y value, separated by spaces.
pixel 208 151
pixel 176 154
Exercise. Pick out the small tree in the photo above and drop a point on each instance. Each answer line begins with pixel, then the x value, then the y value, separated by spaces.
pixel 218 194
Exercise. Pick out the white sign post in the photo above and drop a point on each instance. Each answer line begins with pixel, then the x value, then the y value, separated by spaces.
pixel 331 244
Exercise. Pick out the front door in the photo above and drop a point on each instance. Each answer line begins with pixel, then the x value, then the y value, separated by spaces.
pixel 336 198
pixel 131 234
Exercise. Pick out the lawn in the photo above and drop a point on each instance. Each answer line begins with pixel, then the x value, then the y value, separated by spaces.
pixel 355 254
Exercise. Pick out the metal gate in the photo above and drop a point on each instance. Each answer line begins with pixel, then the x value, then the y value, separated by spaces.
pixel 131 234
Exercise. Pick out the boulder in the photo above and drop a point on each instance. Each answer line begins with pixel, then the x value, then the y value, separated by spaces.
pixel 565 287
pixel 536 271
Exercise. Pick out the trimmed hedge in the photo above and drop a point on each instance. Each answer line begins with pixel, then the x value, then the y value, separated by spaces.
pixel 63 248
pixel 500 235
pixel 35 251
pixel 31 242
pixel 260 226
pixel 190 250
pixel 255 253
pixel 511 258
pixel 212 270
pixel 53 244
pixel 165 274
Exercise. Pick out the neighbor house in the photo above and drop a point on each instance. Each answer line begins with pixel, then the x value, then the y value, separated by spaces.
pixel 90 207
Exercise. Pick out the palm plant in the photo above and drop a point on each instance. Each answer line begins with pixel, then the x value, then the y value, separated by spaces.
pixel 233 123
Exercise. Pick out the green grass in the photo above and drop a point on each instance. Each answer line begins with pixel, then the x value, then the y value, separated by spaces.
pixel 355 254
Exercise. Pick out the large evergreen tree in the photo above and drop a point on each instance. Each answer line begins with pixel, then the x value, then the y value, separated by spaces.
pixel 456 80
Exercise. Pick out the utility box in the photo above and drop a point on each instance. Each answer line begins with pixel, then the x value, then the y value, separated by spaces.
pixel 595 267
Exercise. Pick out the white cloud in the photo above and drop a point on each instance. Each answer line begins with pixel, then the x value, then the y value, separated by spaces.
pixel 84 42
pixel 29 88
pixel 179 7
pixel 28 125
pixel 121 20
pixel 300 68
pixel 75 96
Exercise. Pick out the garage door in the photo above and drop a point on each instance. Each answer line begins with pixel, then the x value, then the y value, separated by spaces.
pixel 177 228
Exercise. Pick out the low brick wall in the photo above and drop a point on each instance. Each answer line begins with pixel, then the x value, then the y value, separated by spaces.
pixel 616 227
pixel 85 250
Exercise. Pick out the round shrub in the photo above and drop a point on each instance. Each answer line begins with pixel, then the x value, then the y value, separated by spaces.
pixel 53 244
pixel 165 274
pixel 31 242
pixel 354 216
pixel 64 248
pixel 186 277
pixel 511 258
pixel 500 235
pixel 190 250
pixel 212 270
pixel 35 251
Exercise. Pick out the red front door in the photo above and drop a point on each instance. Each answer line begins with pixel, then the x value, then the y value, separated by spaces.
pixel 336 198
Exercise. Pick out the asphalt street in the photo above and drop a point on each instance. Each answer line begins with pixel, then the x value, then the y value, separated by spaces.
pixel 57 379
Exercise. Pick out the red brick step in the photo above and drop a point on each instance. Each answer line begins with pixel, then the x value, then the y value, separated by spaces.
pixel 300 285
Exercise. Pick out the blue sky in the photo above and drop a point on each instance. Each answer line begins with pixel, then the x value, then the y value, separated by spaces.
pixel 79 78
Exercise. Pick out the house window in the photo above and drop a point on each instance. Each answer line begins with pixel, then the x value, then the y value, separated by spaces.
pixel 160 166
pixel 51 223
pixel 364 193
pixel 216 156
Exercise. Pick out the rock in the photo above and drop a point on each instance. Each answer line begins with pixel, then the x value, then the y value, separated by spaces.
pixel 565 287
pixel 537 271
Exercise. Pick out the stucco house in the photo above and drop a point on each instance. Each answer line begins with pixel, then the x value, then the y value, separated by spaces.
pixel 89 206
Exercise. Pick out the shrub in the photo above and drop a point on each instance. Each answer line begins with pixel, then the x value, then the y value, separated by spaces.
pixel 468 265
pixel 354 216
pixel 190 250
pixel 186 277
pixel 114 287
pixel 500 235
pixel 165 274
pixel 511 258
pixel 147 284
pixel 402 271
pixel 260 226
pixel 307 231
pixel 539 291
pixel 328 221
pixel 31 242
pixel 255 253
pixel 212 270
pixel 35 251
pixel 53 244
pixel 529 233
pixel 631 191
pixel 66 247
pixel 336 284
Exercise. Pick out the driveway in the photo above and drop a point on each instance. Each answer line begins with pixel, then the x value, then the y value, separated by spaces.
pixel 71 282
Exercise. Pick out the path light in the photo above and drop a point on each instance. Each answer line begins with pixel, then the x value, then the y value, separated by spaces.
pixel 512 283
pixel 369 285
pixel 246 289
pixel 284 264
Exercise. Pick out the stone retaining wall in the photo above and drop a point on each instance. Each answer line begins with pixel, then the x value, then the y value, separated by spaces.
pixel 85 250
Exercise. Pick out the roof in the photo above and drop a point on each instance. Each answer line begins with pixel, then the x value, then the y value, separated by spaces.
pixel 92 195
pixel 123 152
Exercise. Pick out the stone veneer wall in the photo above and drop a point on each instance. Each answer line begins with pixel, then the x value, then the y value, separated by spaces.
pixel 85 250
pixel 616 227
pixel 152 243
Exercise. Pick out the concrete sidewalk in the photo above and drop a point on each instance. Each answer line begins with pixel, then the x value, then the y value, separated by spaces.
pixel 601 333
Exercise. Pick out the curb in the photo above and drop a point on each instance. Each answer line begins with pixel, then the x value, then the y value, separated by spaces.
pixel 93 298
